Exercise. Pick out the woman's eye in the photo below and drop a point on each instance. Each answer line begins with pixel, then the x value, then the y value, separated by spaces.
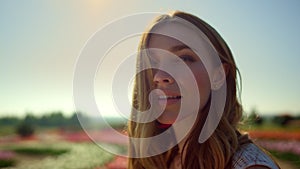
pixel 187 58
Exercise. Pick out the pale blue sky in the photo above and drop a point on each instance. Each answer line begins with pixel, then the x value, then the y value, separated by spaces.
pixel 40 41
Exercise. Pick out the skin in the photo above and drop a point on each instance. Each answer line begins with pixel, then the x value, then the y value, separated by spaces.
pixel 167 83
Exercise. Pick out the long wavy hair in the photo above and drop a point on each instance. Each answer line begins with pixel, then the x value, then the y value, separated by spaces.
pixel 216 152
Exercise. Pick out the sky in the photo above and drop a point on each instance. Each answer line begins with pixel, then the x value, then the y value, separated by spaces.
pixel 40 42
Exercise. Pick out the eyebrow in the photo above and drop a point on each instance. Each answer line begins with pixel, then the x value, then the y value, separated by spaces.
pixel 179 48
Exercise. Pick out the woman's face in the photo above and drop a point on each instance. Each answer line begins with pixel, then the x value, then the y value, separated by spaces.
pixel 174 94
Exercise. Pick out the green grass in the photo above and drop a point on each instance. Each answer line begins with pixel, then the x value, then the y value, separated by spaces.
pixel 40 151
pixel 7 163
pixel 267 126
pixel 7 130
pixel 286 156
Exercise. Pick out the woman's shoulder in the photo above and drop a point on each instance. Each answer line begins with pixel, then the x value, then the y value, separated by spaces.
pixel 250 155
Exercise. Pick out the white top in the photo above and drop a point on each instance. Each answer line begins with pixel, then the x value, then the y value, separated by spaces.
pixel 249 155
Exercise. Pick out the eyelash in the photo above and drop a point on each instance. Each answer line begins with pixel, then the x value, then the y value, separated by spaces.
pixel 187 58
pixel 184 58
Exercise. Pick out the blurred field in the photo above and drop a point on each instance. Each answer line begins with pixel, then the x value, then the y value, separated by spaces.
pixel 61 143
pixel 54 150
pixel 52 141
pixel 280 135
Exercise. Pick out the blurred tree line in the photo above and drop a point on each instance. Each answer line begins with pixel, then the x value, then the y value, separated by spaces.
pixel 282 120
pixel 27 125
pixel 54 119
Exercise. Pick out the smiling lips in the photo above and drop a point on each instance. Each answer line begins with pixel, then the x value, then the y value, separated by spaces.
pixel 169 99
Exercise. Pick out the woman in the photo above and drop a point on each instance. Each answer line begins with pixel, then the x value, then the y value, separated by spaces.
pixel 196 142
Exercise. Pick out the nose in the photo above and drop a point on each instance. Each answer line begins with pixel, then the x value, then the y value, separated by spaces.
pixel 162 78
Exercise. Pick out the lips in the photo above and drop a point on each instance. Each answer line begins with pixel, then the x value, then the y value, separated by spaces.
pixel 168 98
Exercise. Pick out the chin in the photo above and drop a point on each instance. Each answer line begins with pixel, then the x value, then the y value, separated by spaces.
pixel 166 120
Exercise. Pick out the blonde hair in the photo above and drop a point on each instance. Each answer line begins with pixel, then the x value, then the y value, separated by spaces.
pixel 217 151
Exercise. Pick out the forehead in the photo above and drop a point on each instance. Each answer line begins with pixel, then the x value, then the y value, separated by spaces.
pixel 163 42
pixel 168 34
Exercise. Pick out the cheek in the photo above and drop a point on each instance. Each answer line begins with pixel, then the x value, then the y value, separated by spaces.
pixel 202 79
pixel 203 83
